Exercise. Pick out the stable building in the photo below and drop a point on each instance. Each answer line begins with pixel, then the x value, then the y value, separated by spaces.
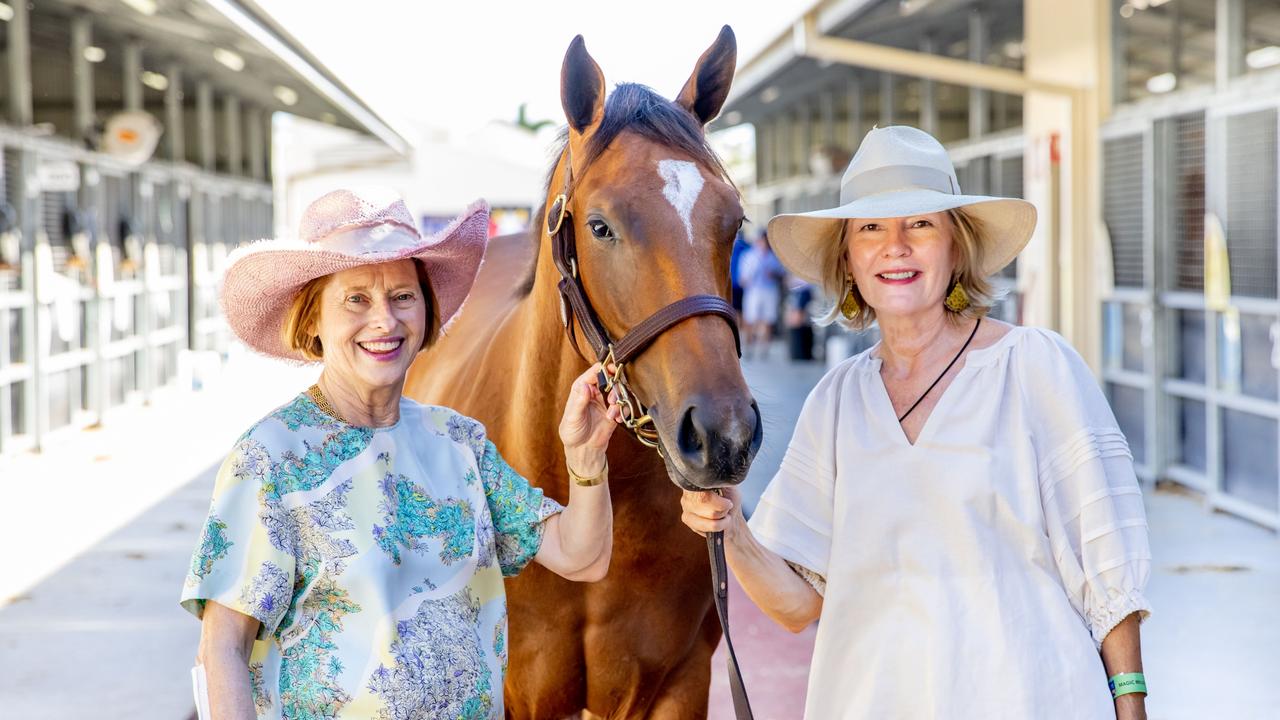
pixel 1146 133
pixel 135 154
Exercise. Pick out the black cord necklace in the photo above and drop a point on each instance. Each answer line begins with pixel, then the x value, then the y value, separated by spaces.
pixel 916 404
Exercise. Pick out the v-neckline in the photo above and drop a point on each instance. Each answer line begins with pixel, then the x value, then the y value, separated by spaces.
pixel 892 415
pixel 887 403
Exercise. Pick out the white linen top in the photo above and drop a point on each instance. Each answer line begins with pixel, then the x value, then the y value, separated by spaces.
pixel 975 573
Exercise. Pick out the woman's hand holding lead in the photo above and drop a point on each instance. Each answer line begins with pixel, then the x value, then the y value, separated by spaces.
pixel 707 511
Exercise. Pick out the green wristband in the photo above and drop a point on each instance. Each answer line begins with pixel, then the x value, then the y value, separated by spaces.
pixel 1126 683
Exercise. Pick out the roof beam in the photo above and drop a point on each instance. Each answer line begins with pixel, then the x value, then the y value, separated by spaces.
pixel 808 42
pixel 235 13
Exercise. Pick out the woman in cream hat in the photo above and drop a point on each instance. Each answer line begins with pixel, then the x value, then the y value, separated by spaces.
pixel 360 536
pixel 957 505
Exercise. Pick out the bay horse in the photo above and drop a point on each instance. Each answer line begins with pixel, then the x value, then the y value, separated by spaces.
pixel 654 215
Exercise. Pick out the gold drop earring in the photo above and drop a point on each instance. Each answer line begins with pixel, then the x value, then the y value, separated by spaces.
pixel 848 303
pixel 957 300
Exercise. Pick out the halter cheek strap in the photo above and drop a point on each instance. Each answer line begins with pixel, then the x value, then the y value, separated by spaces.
pixel 576 306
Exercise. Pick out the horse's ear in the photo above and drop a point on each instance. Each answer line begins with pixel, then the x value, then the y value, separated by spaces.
pixel 708 86
pixel 581 87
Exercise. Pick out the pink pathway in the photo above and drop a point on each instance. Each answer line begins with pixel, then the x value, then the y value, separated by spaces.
pixel 774 662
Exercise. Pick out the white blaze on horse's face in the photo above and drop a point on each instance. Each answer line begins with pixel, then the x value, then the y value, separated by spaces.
pixel 683 185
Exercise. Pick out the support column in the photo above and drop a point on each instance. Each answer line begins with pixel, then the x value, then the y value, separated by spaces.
pixel 1228 41
pixel 35 334
pixel 804 137
pixel 782 160
pixel 979 100
pixel 81 77
pixel 19 36
pixel 764 146
pixel 231 128
pixel 928 94
pixel 174 130
pixel 133 75
pixel 204 121
pixel 827 118
pixel 854 126
pixel 886 99
pixel 267 160
pixel 253 138
pixel 1066 269
pixel 1175 43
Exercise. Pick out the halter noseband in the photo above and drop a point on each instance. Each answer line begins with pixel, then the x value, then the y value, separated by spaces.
pixel 574 305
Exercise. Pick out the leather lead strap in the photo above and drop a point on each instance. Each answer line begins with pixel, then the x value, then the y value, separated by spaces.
pixel 720 592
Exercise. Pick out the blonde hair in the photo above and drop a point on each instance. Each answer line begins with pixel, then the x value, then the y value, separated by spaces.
pixel 967 236
pixel 299 331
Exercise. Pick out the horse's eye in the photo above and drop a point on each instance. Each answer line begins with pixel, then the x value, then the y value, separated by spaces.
pixel 599 230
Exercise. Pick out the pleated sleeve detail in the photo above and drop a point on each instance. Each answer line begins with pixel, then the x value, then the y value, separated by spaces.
pixel 1094 515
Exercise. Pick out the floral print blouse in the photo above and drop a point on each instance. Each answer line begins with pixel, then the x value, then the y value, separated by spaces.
pixel 373 558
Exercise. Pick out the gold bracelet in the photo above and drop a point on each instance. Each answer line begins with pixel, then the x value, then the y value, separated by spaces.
pixel 592 481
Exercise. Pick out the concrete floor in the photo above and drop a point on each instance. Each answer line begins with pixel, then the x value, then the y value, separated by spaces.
pixel 96 536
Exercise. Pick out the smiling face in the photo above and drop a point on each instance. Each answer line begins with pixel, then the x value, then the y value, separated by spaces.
pixel 372 322
pixel 902 266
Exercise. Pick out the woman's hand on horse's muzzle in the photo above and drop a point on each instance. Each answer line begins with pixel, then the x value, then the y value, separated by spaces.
pixel 708 511
pixel 588 421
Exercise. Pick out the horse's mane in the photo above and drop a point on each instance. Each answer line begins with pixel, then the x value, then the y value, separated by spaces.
pixel 630 108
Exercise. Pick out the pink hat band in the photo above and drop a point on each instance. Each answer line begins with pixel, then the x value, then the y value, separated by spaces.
pixel 378 239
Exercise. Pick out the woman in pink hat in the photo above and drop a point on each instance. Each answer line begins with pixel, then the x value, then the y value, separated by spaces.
pixel 360 536
pixel 957 505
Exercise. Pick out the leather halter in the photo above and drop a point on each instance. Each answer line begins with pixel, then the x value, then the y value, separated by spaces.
pixel 575 305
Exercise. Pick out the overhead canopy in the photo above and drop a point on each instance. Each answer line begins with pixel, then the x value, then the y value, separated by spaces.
pixel 233 44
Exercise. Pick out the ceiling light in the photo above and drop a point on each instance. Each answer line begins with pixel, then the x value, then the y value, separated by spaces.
pixel 286 95
pixel 228 58
pixel 1014 50
pixel 1162 83
pixel 911 7
pixel 733 117
pixel 146 7
pixel 155 81
pixel 6 12
pixel 1263 57
pixel 95 54
pixel 770 94
pixel 329 118
pixel 1126 11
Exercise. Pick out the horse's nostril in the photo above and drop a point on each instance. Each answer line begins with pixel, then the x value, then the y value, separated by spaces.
pixel 757 432
pixel 690 438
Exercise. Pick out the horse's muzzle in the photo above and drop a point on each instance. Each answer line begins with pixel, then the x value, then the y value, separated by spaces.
pixel 714 443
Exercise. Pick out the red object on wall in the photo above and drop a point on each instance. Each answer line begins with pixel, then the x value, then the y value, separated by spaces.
pixel 1055 155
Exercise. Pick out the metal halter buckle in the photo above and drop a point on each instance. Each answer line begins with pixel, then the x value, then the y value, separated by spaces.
pixel 635 417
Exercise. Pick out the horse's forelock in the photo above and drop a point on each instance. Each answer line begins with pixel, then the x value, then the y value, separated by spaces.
pixel 633 107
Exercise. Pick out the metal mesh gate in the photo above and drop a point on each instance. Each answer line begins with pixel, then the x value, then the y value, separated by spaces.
pixel 1251 202
pixel 1123 178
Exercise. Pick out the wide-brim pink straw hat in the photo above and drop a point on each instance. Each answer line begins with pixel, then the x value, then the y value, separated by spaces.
pixel 340 231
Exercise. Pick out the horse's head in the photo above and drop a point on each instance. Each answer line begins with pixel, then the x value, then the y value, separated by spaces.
pixel 654 218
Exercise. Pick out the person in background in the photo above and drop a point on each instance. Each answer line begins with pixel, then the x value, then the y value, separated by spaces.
pixel 797 318
pixel 957 505
pixel 740 248
pixel 761 276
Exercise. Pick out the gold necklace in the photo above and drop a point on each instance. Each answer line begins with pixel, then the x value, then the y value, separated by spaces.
pixel 322 402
